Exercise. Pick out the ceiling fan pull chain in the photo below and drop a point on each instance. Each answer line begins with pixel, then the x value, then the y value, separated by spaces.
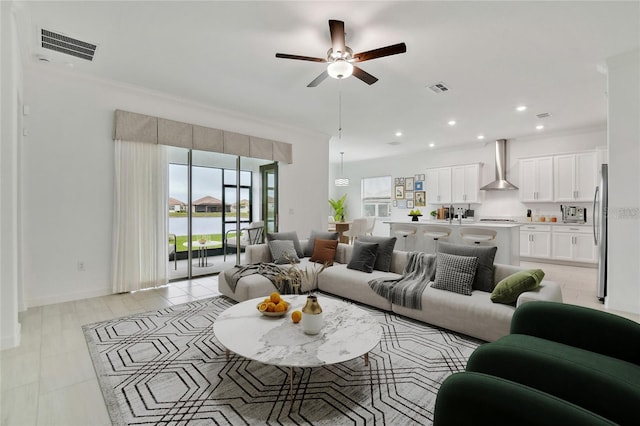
pixel 339 109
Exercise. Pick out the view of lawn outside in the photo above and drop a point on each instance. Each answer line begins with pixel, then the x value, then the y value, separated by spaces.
pixel 217 217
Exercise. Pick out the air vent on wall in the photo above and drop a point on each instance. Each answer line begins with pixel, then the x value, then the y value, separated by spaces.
pixel 543 115
pixel 439 87
pixel 67 45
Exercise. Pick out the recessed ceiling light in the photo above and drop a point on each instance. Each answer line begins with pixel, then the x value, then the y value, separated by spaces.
pixel 480 137
pixel 539 127
pixel 521 108
pixel 431 145
pixel 452 122
pixel 398 133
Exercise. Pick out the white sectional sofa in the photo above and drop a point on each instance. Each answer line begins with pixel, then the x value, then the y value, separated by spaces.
pixel 474 315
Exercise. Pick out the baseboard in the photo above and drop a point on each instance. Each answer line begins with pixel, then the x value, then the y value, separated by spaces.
pixel 8 342
pixel 68 297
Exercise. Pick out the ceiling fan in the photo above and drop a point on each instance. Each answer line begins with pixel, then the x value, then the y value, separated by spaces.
pixel 341 59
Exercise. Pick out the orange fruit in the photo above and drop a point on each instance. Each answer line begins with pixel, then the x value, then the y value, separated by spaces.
pixel 296 316
pixel 275 297
pixel 267 300
pixel 262 307
pixel 280 307
pixel 271 307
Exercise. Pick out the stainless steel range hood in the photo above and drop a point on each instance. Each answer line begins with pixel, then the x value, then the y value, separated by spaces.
pixel 501 183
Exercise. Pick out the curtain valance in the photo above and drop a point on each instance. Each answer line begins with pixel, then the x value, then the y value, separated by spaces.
pixel 131 126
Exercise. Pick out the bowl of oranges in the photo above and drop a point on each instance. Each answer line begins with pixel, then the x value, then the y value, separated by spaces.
pixel 273 306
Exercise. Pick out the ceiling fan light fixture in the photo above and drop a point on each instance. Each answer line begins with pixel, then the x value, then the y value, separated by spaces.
pixel 340 69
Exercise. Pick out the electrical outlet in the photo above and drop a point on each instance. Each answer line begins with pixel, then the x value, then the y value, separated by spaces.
pixel 80 265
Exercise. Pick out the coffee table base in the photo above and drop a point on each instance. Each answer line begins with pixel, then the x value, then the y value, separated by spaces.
pixel 366 363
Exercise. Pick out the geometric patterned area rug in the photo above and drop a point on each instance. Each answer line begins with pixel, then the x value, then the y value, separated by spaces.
pixel 166 367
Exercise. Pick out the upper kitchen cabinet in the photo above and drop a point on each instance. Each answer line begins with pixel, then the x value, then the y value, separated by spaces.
pixel 465 183
pixel 439 185
pixel 575 176
pixel 536 179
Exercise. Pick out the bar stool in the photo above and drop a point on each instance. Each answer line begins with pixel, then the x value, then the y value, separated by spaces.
pixel 401 230
pixel 437 233
pixel 477 235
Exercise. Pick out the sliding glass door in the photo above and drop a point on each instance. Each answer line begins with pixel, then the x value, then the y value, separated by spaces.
pixel 211 197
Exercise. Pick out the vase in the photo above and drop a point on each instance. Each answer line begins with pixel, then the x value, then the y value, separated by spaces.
pixel 312 316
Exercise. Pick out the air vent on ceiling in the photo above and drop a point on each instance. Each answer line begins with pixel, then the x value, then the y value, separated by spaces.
pixel 439 87
pixel 543 115
pixel 67 45
pixel 394 143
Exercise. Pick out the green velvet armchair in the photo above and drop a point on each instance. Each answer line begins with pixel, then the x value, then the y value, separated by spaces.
pixel 583 357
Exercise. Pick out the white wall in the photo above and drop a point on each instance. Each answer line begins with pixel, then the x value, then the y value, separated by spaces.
pixel 10 95
pixel 494 203
pixel 68 175
pixel 623 268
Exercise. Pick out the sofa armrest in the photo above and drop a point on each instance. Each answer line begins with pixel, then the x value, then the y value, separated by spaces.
pixel 257 253
pixel 548 291
pixel 581 327
pixel 475 398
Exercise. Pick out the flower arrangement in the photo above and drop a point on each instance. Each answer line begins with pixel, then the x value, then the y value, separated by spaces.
pixel 289 280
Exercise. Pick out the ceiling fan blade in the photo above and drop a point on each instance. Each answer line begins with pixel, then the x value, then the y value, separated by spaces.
pixel 319 79
pixel 298 57
pixel 363 75
pixel 381 52
pixel 336 28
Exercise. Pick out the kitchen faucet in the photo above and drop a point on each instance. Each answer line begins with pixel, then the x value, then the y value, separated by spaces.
pixel 451 213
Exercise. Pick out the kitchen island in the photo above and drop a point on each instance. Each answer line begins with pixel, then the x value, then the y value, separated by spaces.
pixel 507 237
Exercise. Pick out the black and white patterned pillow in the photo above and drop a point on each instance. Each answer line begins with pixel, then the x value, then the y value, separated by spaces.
pixel 283 251
pixel 455 273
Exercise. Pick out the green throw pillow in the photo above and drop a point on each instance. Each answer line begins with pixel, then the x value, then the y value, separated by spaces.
pixel 508 290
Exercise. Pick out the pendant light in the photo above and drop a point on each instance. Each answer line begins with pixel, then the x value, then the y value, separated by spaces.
pixel 342 181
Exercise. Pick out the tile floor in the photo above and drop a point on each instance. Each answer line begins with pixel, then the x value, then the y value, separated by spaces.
pixel 49 379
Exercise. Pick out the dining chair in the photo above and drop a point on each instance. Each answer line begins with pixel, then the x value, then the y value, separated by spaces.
pixel 371 223
pixel 357 228
pixel 332 223
pixel 249 236
pixel 172 251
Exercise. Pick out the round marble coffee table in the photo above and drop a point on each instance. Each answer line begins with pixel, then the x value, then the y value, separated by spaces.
pixel 348 332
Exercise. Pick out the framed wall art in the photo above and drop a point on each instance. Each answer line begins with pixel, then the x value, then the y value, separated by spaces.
pixel 408 184
pixel 408 195
pixel 402 204
pixel 399 192
pixel 418 186
pixel 409 204
pixel 420 198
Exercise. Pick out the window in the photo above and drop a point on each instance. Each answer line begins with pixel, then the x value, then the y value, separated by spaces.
pixel 376 196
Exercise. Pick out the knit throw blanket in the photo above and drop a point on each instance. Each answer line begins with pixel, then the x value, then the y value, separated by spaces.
pixel 268 270
pixel 407 290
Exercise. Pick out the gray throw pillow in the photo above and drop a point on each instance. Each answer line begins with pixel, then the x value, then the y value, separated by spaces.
pixel 308 250
pixel 455 273
pixel 283 251
pixel 384 253
pixel 363 256
pixel 484 275
pixel 292 236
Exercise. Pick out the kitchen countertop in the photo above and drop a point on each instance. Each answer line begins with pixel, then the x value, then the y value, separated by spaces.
pixel 455 223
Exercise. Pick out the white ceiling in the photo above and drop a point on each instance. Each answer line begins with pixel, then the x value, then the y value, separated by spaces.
pixel 493 55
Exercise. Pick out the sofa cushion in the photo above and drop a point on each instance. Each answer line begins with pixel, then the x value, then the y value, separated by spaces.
pixel 384 252
pixel 363 256
pixel 324 251
pixel 455 273
pixel 508 289
pixel 308 249
pixel 292 236
pixel 484 275
pixel 283 251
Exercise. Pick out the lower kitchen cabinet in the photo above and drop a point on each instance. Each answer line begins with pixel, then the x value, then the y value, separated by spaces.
pixel 574 243
pixel 535 241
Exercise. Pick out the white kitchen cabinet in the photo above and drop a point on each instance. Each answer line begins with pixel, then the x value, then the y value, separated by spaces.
pixel 536 179
pixel 573 243
pixel 465 183
pixel 535 241
pixel 438 185
pixel 575 176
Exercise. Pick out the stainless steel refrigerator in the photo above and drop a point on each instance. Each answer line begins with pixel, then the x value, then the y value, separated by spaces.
pixel 600 207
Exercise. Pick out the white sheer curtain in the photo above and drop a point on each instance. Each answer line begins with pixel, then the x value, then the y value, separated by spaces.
pixel 140 247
